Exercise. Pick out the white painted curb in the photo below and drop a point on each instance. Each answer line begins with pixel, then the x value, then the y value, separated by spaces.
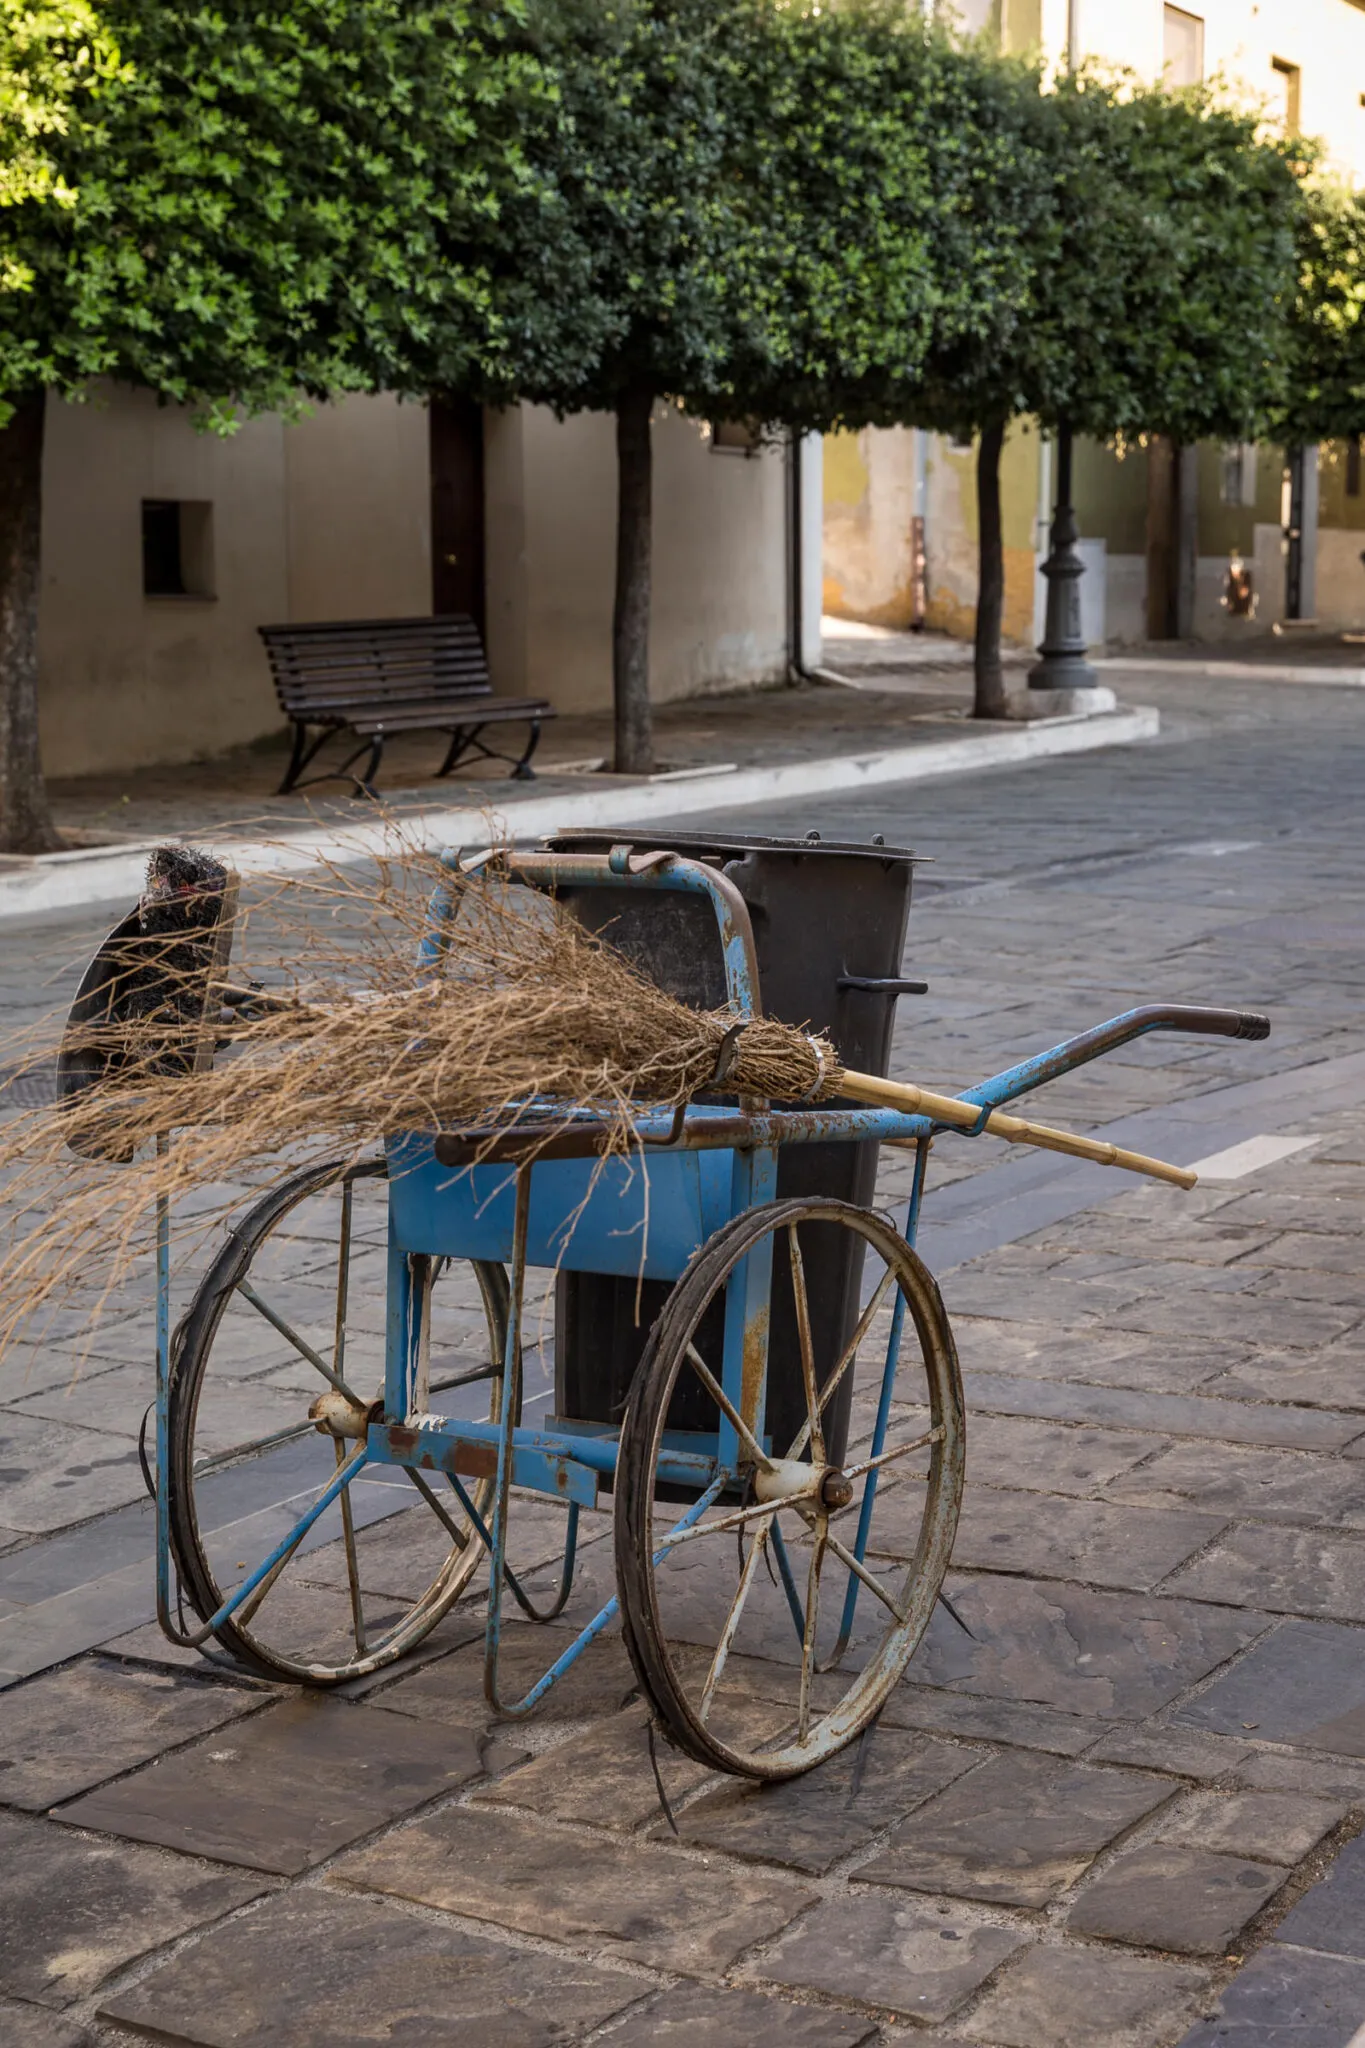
pixel 73 882
pixel 1334 678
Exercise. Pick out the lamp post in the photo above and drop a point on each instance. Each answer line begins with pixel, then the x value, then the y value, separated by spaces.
pixel 1063 665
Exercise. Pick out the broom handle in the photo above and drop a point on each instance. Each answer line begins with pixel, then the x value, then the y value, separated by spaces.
pixel 946 1109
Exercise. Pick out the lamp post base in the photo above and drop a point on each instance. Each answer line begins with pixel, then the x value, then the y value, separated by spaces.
pixel 1063 665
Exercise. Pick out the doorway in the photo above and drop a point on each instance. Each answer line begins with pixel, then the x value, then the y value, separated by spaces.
pixel 457 507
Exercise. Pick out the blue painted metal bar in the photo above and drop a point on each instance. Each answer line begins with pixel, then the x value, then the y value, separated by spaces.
pixel 477 1443
pixel 344 1475
pixel 607 1615
pixel 748 1291
pixel 511 1403
pixel 797 1612
pixel 400 1352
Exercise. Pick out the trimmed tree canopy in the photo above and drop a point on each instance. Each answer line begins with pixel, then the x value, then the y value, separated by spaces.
pixel 1324 398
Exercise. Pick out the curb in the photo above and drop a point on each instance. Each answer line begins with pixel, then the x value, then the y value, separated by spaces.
pixel 1334 678
pixel 75 882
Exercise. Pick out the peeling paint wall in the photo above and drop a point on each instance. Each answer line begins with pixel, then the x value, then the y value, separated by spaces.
pixel 869 501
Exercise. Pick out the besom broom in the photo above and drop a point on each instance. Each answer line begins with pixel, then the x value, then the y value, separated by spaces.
pixel 529 1017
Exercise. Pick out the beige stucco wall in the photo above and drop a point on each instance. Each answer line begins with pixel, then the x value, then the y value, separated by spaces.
pixel 718 612
pixel 324 518
pixel 869 509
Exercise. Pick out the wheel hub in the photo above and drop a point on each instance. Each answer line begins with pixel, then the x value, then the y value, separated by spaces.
pixel 790 1480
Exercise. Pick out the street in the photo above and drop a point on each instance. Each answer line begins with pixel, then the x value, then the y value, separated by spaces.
pixel 1105 1805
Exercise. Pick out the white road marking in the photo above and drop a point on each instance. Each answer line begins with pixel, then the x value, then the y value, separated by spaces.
pixel 1247 1157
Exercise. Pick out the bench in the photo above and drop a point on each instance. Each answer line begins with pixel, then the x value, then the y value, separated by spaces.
pixel 374 677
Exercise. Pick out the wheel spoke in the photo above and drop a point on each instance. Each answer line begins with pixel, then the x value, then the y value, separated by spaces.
pixel 799 1296
pixel 343 1279
pixel 727 1634
pixel 849 1353
pixel 735 1520
pixel 931 1436
pixel 291 1336
pixel 860 1571
pixel 726 1405
pixel 817 1558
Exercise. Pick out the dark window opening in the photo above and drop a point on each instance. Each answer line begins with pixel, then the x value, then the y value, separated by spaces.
pixel 163 573
pixel 177 547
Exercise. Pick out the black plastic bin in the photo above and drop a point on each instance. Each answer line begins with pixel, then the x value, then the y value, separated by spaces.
pixel 823 912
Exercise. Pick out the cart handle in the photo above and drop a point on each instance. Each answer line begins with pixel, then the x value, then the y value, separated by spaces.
pixel 1102 1038
pixel 624 868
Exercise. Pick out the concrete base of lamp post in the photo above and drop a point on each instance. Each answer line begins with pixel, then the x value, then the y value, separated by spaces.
pixel 1086 702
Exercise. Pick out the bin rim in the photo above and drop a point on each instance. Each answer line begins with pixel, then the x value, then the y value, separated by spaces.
pixel 698 844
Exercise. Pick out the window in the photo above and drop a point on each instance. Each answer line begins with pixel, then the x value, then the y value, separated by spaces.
pixel 1238 482
pixel 1285 93
pixel 1183 51
pixel 177 547
pixel 736 437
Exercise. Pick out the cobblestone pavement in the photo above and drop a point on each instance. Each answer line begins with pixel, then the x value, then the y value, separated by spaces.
pixel 1123 1812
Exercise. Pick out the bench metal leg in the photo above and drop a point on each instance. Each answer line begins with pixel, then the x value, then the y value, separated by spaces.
pixel 462 738
pixel 466 739
pixel 302 754
pixel 523 771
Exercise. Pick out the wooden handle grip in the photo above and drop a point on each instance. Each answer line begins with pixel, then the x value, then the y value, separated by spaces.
pixel 947 1109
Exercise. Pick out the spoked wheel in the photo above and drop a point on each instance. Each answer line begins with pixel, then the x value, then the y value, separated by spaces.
pixel 769 1627
pixel 273 1373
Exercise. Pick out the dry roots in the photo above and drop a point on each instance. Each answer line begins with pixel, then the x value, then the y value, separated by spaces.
pixel 353 1043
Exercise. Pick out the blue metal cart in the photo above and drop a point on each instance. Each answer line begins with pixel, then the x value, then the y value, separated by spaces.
pixel 785 1482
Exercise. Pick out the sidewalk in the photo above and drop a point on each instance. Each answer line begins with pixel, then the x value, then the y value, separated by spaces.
pixel 749 748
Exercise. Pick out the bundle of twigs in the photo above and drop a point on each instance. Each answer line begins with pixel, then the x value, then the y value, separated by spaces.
pixel 518 1007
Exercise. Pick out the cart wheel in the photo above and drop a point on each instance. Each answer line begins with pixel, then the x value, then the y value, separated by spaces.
pixel 278 1319
pixel 769 1632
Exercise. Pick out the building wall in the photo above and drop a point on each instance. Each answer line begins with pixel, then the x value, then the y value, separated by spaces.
pixel 869 507
pixel 718 615
pixel 326 518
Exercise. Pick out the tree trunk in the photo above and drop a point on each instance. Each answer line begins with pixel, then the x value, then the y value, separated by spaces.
pixel 25 820
pixel 989 701
pixel 630 617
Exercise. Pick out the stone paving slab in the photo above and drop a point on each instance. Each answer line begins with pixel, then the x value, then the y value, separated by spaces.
pixel 1015 1832
pixel 1304 1684
pixel 603 1775
pixel 812 1822
pixel 72 1729
pixel 1177 1415
pixel 73 1911
pixel 1332 1915
pixel 1084 1998
pixel 290 1787
pixel 1282 1570
pixel 316 1969
pixel 1181 1751
pixel 1013 1450
pixel 1271 1486
pixel 1273 1827
pixel 1287 1998
pixel 451 1688
pixel 1046 1537
pixel 908 1957
pixel 1177 1897
pixel 642 1903
pixel 1115 1656
pixel 29 2026
pixel 968 1715
pixel 688 2017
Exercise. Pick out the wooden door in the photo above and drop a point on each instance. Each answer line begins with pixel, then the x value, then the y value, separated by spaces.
pixel 457 523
